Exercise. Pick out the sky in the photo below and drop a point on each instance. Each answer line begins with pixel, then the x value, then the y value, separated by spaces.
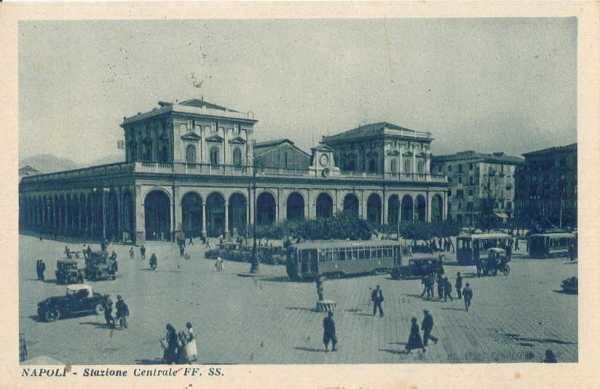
pixel 485 84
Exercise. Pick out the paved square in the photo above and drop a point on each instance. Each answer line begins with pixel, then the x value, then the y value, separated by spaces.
pixel 270 319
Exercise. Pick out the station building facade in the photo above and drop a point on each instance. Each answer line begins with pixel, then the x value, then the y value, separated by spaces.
pixel 191 166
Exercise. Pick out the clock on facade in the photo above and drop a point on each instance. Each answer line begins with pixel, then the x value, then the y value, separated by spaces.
pixel 324 160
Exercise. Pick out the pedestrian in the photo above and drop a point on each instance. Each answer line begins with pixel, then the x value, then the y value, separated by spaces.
pixel 429 286
pixel 414 339
pixel 427 326
pixel 153 261
pixel 108 312
pixel 42 269
pixel 181 249
pixel 458 285
pixel 67 252
pixel 122 312
pixel 549 357
pixel 447 289
pixel 131 252
pixel 329 332
pixel 191 349
pixel 377 299
pixel 142 252
pixel 170 345
pixel 191 241
pixel 37 269
pixel 424 283
pixel 467 296
pixel 517 243
pixel 440 286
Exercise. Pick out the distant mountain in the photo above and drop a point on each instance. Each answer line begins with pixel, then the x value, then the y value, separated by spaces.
pixel 48 163
pixel 114 158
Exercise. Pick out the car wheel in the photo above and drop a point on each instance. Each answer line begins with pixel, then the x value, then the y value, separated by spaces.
pixel 99 309
pixel 51 315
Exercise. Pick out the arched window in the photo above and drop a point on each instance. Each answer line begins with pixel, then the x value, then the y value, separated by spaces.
pixel 408 165
pixel 190 154
pixel 214 156
pixel 237 157
pixel 420 166
pixel 394 166
pixel 147 154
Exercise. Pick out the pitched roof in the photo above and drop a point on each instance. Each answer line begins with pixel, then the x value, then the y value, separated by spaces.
pixel 272 142
pixel 470 155
pixel 371 130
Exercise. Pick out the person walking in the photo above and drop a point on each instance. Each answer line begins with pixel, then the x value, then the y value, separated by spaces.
pixel 143 252
pixel 440 286
pixel 447 289
pixel 517 243
pixel 377 299
pixel 468 296
pixel 153 262
pixel 458 285
pixel 131 252
pixel 427 326
pixel 424 283
pixel 42 269
pixel 329 332
pixel 414 338
pixel 108 317
pixel 122 312
pixel 191 349
pixel 170 345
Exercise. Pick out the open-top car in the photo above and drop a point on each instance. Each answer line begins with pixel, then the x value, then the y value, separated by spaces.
pixel 80 299
pixel 68 271
pixel 419 266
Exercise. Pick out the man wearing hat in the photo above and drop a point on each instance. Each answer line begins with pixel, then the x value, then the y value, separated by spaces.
pixel 122 312
pixel 427 326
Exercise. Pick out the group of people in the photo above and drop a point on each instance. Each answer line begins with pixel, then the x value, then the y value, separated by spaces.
pixel 444 288
pixel 441 244
pixel 179 347
pixel 415 341
pixel 121 314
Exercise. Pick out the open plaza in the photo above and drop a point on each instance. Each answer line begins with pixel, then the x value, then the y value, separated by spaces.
pixel 270 319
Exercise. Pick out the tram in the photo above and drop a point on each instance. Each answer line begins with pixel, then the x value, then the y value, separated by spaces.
pixel 551 244
pixel 338 258
pixel 472 246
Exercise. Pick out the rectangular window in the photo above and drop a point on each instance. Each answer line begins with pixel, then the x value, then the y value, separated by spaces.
pixel 460 168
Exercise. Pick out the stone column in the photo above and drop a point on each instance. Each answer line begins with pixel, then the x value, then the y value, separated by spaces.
pixel 204 216
pixel 428 207
pixel 140 221
pixel 226 218
pixel 384 203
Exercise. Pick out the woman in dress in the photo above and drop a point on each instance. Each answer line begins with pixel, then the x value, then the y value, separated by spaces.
pixel 191 349
pixel 169 344
pixel 414 339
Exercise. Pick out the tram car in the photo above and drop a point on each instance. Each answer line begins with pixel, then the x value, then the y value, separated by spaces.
pixel 552 244
pixel 339 258
pixel 469 247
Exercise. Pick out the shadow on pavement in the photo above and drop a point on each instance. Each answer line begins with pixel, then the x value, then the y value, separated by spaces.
pixel 452 309
pixel 300 309
pixel 387 350
pixel 311 349
pixel 95 324
pixel 563 292
pixel 537 340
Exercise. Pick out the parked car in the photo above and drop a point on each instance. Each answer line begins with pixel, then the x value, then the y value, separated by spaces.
pixel 99 266
pixel 570 285
pixel 79 299
pixel 68 272
pixel 418 267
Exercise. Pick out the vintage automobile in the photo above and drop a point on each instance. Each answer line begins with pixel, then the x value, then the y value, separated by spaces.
pixel 569 285
pixel 419 266
pixel 68 272
pixel 99 266
pixel 496 261
pixel 80 299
